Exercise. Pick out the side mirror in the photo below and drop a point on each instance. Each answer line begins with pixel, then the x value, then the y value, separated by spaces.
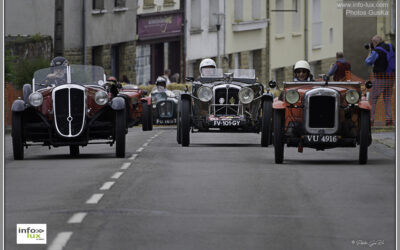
pixel 272 84
pixel 368 84
pixel 189 78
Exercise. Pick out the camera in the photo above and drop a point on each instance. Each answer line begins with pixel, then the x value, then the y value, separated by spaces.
pixel 368 46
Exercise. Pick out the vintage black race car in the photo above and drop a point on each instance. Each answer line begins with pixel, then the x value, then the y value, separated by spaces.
pixel 165 103
pixel 73 111
pixel 322 115
pixel 230 102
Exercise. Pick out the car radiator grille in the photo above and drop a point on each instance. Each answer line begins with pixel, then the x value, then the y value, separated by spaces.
pixel 69 105
pixel 230 96
pixel 165 109
pixel 322 112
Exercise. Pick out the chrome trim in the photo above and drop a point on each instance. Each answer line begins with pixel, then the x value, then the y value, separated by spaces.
pixel 227 106
pixel 69 87
pixel 321 92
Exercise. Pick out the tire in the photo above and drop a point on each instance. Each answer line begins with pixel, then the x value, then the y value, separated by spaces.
pixel 185 123
pixel 364 136
pixel 74 150
pixel 178 128
pixel 17 136
pixel 266 125
pixel 279 144
pixel 120 133
pixel 150 110
pixel 145 117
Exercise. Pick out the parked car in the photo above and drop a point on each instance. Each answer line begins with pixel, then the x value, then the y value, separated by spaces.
pixel 165 103
pixel 322 115
pixel 230 102
pixel 75 110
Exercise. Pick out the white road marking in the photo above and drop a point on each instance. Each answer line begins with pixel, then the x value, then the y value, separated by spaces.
pixel 77 218
pixel 140 149
pixel 60 241
pixel 145 144
pixel 133 157
pixel 94 199
pixel 126 165
pixel 149 140
pixel 107 185
pixel 117 175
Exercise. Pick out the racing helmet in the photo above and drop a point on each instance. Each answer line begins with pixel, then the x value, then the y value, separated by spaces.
pixel 207 63
pixel 59 61
pixel 112 79
pixel 302 65
pixel 161 81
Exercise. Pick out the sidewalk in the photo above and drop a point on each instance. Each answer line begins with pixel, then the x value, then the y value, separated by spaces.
pixel 385 136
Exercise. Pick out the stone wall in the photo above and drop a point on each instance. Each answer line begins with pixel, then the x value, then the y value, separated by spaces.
pixel 74 56
pixel 128 60
pixel 27 47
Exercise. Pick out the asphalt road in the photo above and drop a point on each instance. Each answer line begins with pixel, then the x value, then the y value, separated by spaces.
pixel 222 192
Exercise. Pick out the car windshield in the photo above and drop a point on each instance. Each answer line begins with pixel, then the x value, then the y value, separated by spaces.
pixel 243 73
pixel 158 96
pixel 211 73
pixel 76 74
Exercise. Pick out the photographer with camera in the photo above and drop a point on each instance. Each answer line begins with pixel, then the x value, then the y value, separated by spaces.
pixel 382 57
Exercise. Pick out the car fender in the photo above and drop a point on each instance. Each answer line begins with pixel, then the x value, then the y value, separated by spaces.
pixel 278 104
pixel 18 106
pixel 364 105
pixel 146 100
pixel 184 96
pixel 267 96
pixel 118 103
pixel 26 91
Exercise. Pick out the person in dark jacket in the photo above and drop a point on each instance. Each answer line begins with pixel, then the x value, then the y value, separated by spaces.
pixel 338 69
pixel 383 81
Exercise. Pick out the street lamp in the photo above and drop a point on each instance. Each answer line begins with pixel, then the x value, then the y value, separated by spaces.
pixel 220 18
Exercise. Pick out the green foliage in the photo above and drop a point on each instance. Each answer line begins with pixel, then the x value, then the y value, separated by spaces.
pixel 8 66
pixel 23 70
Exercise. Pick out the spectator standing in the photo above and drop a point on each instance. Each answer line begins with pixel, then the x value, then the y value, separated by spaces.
pixel 338 69
pixel 166 75
pixel 382 57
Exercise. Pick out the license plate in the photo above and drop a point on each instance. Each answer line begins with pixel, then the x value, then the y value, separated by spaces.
pixel 321 139
pixel 233 123
pixel 165 122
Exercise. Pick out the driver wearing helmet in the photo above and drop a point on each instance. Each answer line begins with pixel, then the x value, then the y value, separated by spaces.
pixel 302 72
pixel 207 67
pixel 161 84
pixel 113 85
pixel 58 74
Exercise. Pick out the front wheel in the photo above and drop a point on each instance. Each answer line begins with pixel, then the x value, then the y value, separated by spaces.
pixel 178 128
pixel 145 117
pixel 185 123
pixel 17 136
pixel 279 121
pixel 364 136
pixel 120 129
pixel 266 130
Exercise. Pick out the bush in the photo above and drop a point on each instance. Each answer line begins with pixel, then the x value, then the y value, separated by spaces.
pixel 22 71
pixel 8 66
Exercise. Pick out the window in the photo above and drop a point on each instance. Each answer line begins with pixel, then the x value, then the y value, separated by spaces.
pixel 195 8
pixel 214 9
pixel 296 16
pixel 119 3
pixel 316 24
pixel 148 3
pixel 279 18
pixel 238 10
pixel 237 60
pixel 98 4
pixel 256 9
pixel 143 67
pixel 251 56
pixel 169 2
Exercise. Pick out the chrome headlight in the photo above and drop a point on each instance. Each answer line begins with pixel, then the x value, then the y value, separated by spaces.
pixel 101 98
pixel 204 94
pixel 352 96
pixel 246 95
pixel 36 99
pixel 292 96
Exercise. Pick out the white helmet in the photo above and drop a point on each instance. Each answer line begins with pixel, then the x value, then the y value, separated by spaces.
pixel 302 65
pixel 207 63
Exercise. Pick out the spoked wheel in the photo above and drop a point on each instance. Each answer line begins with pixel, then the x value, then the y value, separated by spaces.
pixel 185 123
pixel 145 117
pixel 74 150
pixel 17 136
pixel 364 136
pixel 120 129
pixel 279 121
pixel 266 126
pixel 178 127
